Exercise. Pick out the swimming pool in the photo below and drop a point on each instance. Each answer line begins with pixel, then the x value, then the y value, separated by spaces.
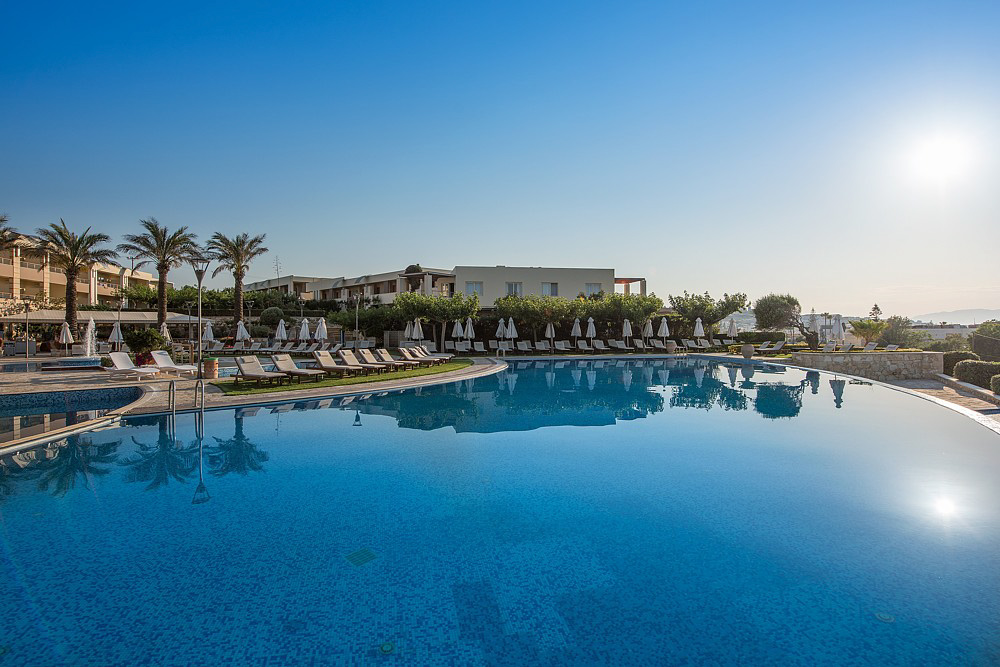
pixel 31 414
pixel 682 511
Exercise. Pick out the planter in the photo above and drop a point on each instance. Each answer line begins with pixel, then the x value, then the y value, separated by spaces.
pixel 211 369
pixel 747 350
pixel 671 347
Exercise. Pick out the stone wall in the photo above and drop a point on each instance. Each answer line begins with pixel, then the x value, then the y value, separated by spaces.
pixel 875 365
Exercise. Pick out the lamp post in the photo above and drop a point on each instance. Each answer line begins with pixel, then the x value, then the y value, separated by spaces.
pixel 120 303
pixel 200 266
pixel 357 329
pixel 249 311
pixel 189 305
pixel 302 305
pixel 27 302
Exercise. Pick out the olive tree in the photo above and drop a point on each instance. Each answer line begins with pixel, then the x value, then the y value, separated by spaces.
pixel 711 311
pixel 782 311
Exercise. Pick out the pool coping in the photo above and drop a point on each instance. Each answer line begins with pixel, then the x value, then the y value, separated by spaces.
pixel 480 367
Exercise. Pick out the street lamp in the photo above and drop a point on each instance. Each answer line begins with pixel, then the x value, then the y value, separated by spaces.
pixel 27 302
pixel 200 266
pixel 189 305
pixel 302 305
pixel 249 303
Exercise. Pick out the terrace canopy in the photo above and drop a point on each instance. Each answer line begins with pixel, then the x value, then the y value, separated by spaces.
pixel 132 317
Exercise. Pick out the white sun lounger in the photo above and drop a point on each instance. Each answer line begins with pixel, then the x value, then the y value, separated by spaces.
pixel 167 365
pixel 124 369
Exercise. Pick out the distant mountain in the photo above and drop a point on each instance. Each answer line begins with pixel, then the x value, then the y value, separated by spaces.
pixel 968 316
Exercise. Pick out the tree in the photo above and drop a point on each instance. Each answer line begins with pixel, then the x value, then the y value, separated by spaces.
pixel 869 329
pixel 693 306
pixel 74 253
pixel 234 255
pixel 413 281
pixel 438 309
pixel 138 294
pixel 783 311
pixel 271 316
pixel 951 343
pixel 165 250
pixel 875 313
pixel 899 331
pixel 7 234
pixel 989 328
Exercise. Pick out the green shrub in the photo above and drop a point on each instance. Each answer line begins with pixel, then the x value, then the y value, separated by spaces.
pixel 271 316
pixel 759 336
pixel 987 347
pixel 978 373
pixel 952 358
pixel 995 384
pixel 141 341
pixel 260 331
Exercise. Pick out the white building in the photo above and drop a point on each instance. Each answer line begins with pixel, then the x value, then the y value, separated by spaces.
pixel 488 282
pixel 297 285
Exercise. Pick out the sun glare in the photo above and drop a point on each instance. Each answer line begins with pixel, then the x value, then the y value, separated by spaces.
pixel 941 159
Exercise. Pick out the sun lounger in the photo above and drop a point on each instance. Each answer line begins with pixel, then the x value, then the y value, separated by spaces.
pixel 463 347
pixel 283 363
pixel 563 346
pixel 124 369
pixel 430 346
pixel 728 341
pixel 494 345
pixel 479 347
pixel 599 346
pixel 368 358
pixel 690 344
pixel 829 347
pixel 640 345
pixel 764 347
pixel 657 343
pixel 425 351
pixel 382 355
pixel 777 346
pixel 249 368
pixel 410 354
pixel 449 346
pixel 583 346
pixel 348 357
pixel 328 365
pixel 216 347
pixel 625 347
pixel 506 346
pixel 846 347
pixel 543 346
pixel 890 348
pixel 167 365
pixel 524 346
pixel 870 347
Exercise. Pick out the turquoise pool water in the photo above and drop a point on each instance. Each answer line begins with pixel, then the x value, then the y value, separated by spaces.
pixel 676 513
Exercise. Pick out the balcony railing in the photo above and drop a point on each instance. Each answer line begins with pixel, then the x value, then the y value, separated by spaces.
pixel 31 265
pixel 6 260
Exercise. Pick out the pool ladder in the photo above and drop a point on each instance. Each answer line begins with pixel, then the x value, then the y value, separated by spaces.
pixel 199 396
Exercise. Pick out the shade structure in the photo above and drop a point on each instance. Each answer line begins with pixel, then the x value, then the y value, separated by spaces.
pixel 208 335
pixel 65 335
pixel 304 329
pixel 501 329
pixel 281 333
pixel 408 332
pixel 699 329
pixel 321 333
pixel 457 331
pixel 116 334
pixel 418 331
pixel 647 329
pixel 470 333
pixel 664 330
pixel 732 328
pixel 699 376
pixel 90 338
pixel 575 333
pixel 837 333
pixel 511 329
pixel 241 331
pixel 550 330
pixel 626 329
pixel 591 331
pixel 165 332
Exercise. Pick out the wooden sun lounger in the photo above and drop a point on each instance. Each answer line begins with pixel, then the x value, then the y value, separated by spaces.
pixel 249 368
pixel 328 365
pixel 284 364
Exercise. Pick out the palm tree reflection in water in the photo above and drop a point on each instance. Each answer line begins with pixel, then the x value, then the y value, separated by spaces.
pixel 158 463
pixel 236 454
pixel 79 457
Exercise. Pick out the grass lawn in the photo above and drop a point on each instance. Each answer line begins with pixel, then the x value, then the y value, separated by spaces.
pixel 230 388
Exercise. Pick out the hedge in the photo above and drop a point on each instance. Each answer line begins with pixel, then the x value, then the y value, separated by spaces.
pixel 986 347
pixel 759 336
pixel 952 358
pixel 978 373
pixel 995 384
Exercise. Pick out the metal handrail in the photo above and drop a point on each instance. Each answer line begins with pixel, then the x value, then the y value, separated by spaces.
pixel 172 398
pixel 199 391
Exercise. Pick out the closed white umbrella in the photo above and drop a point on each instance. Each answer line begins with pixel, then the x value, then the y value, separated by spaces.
pixel 575 333
pixel 732 328
pixel 647 330
pixel 304 329
pixel 664 376
pixel 664 330
pixel 550 379
pixel 626 329
pixel 457 331
pixel 699 376
pixel 165 332
pixel 699 330
pixel 837 385
pixel 116 334
pixel 591 331
pixel 418 331
pixel 409 330
pixel 732 376
pixel 65 336
pixel 321 332
pixel 591 380
pixel 241 331
pixel 209 335
pixel 813 323
pixel 511 383
pixel 576 374
pixel 627 379
pixel 838 328
pixel 511 329
pixel 501 329
pixel 550 331
pixel 470 333
pixel 281 333
pixel 90 338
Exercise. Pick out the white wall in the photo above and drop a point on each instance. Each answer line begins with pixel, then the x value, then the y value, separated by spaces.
pixel 495 278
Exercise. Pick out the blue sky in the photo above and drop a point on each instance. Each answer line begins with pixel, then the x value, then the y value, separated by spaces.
pixel 707 146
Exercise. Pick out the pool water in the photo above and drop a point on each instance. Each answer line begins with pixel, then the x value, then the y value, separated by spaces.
pixel 34 414
pixel 680 512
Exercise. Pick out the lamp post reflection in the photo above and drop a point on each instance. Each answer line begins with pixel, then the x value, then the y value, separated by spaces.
pixel 357 417
pixel 201 492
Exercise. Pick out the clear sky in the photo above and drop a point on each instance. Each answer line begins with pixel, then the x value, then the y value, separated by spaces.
pixel 846 152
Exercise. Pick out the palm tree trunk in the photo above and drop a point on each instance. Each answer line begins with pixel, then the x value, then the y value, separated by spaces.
pixel 238 297
pixel 161 295
pixel 71 302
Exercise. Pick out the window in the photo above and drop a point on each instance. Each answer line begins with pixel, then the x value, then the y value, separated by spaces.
pixel 473 287
pixel 592 288
pixel 550 289
pixel 514 289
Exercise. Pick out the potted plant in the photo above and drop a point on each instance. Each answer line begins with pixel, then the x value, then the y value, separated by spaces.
pixel 142 342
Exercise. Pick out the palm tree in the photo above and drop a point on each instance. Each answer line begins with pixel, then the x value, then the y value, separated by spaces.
pixel 234 255
pixel 74 253
pixel 165 250
pixel 7 234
